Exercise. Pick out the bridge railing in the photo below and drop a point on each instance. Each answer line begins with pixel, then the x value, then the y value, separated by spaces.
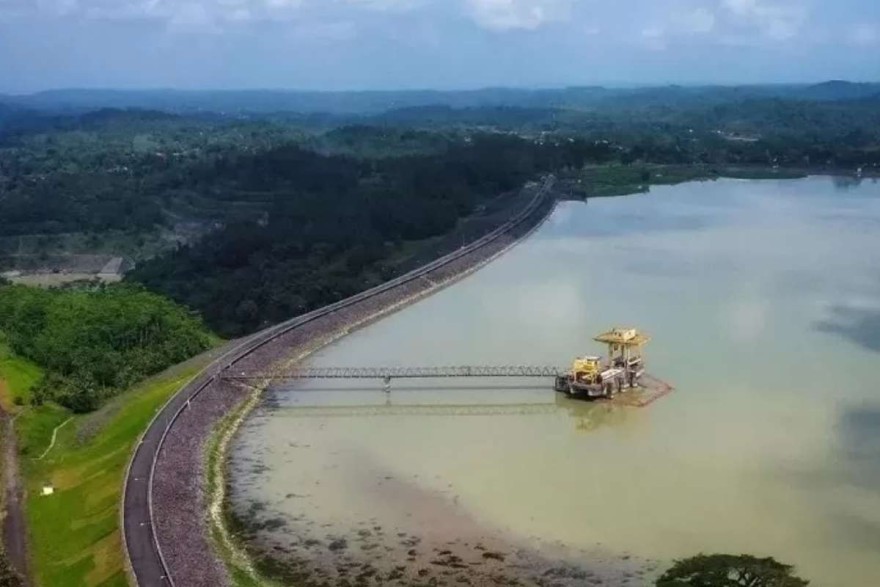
pixel 398 372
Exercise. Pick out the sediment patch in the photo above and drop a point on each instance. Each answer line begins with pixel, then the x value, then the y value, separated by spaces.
pixel 393 531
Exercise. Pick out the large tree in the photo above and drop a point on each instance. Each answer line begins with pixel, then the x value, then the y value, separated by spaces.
pixel 728 570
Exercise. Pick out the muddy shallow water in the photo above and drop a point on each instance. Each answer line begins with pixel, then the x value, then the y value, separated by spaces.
pixel 763 299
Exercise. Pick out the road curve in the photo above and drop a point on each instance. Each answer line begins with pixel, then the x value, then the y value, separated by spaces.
pixel 145 562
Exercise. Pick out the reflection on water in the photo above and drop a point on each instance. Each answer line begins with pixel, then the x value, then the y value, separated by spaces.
pixel 859 437
pixel 848 182
pixel 860 325
pixel 453 400
pixel 592 415
pixel 762 298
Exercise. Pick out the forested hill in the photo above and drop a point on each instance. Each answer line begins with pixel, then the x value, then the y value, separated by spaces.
pixel 334 223
pixel 302 209
pixel 139 171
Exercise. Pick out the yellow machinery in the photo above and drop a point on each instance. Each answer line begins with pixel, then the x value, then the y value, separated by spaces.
pixel 622 368
pixel 586 370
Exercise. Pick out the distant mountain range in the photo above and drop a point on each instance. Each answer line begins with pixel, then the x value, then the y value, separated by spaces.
pixel 243 102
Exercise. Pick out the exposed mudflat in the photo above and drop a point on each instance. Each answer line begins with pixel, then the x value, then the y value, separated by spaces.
pixel 347 518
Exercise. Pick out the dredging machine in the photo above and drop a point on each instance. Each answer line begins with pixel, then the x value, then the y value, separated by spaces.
pixel 592 376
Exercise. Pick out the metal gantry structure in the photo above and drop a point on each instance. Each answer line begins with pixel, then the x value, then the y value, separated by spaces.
pixel 388 373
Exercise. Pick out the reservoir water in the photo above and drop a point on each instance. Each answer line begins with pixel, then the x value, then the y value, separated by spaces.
pixel 763 301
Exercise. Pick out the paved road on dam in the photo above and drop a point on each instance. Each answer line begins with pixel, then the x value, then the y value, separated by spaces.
pixel 143 551
pixel 145 557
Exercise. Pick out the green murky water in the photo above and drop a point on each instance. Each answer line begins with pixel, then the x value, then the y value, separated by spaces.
pixel 763 300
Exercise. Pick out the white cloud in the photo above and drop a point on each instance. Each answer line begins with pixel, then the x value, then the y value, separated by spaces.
pixel 58 7
pixel 386 5
pixel 502 15
pixel 724 22
pixel 121 10
pixel 742 7
pixel 283 3
pixel 240 15
pixel 775 21
pixel 328 32
pixel 688 22
pixel 200 13
pixel 654 38
pixel 865 35
pixel 191 16
pixel 699 20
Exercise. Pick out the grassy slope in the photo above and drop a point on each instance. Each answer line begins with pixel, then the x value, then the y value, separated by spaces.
pixel 74 534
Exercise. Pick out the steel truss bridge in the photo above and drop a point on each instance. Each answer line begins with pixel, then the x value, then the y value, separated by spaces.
pixel 389 373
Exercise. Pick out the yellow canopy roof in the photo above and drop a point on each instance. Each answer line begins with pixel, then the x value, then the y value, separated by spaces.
pixel 625 336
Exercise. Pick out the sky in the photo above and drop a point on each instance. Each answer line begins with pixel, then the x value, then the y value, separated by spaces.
pixel 440 44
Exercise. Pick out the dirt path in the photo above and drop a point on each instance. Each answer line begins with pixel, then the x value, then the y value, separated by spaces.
pixel 54 438
pixel 14 529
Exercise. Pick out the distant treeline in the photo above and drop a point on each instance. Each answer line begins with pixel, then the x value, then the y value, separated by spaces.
pixel 95 341
pixel 137 170
pixel 273 102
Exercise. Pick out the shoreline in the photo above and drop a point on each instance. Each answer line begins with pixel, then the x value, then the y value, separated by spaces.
pixel 238 558
pixel 178 480
pixel 686 173
pixel 222 516
pixel 398 529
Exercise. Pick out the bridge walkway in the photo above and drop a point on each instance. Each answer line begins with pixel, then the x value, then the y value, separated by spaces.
pixel 387 373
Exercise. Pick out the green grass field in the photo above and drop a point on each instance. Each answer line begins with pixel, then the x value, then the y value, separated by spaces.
pixel 74 534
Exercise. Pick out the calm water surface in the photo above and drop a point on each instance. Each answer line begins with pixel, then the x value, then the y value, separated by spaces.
pixel 763 300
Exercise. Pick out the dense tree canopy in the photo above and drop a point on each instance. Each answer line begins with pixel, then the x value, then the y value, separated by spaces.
pixel 138 170
pixel 95 341
pixel 331 222
pixel 727 570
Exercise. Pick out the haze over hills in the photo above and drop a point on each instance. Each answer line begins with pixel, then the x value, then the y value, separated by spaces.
pixel 374 102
